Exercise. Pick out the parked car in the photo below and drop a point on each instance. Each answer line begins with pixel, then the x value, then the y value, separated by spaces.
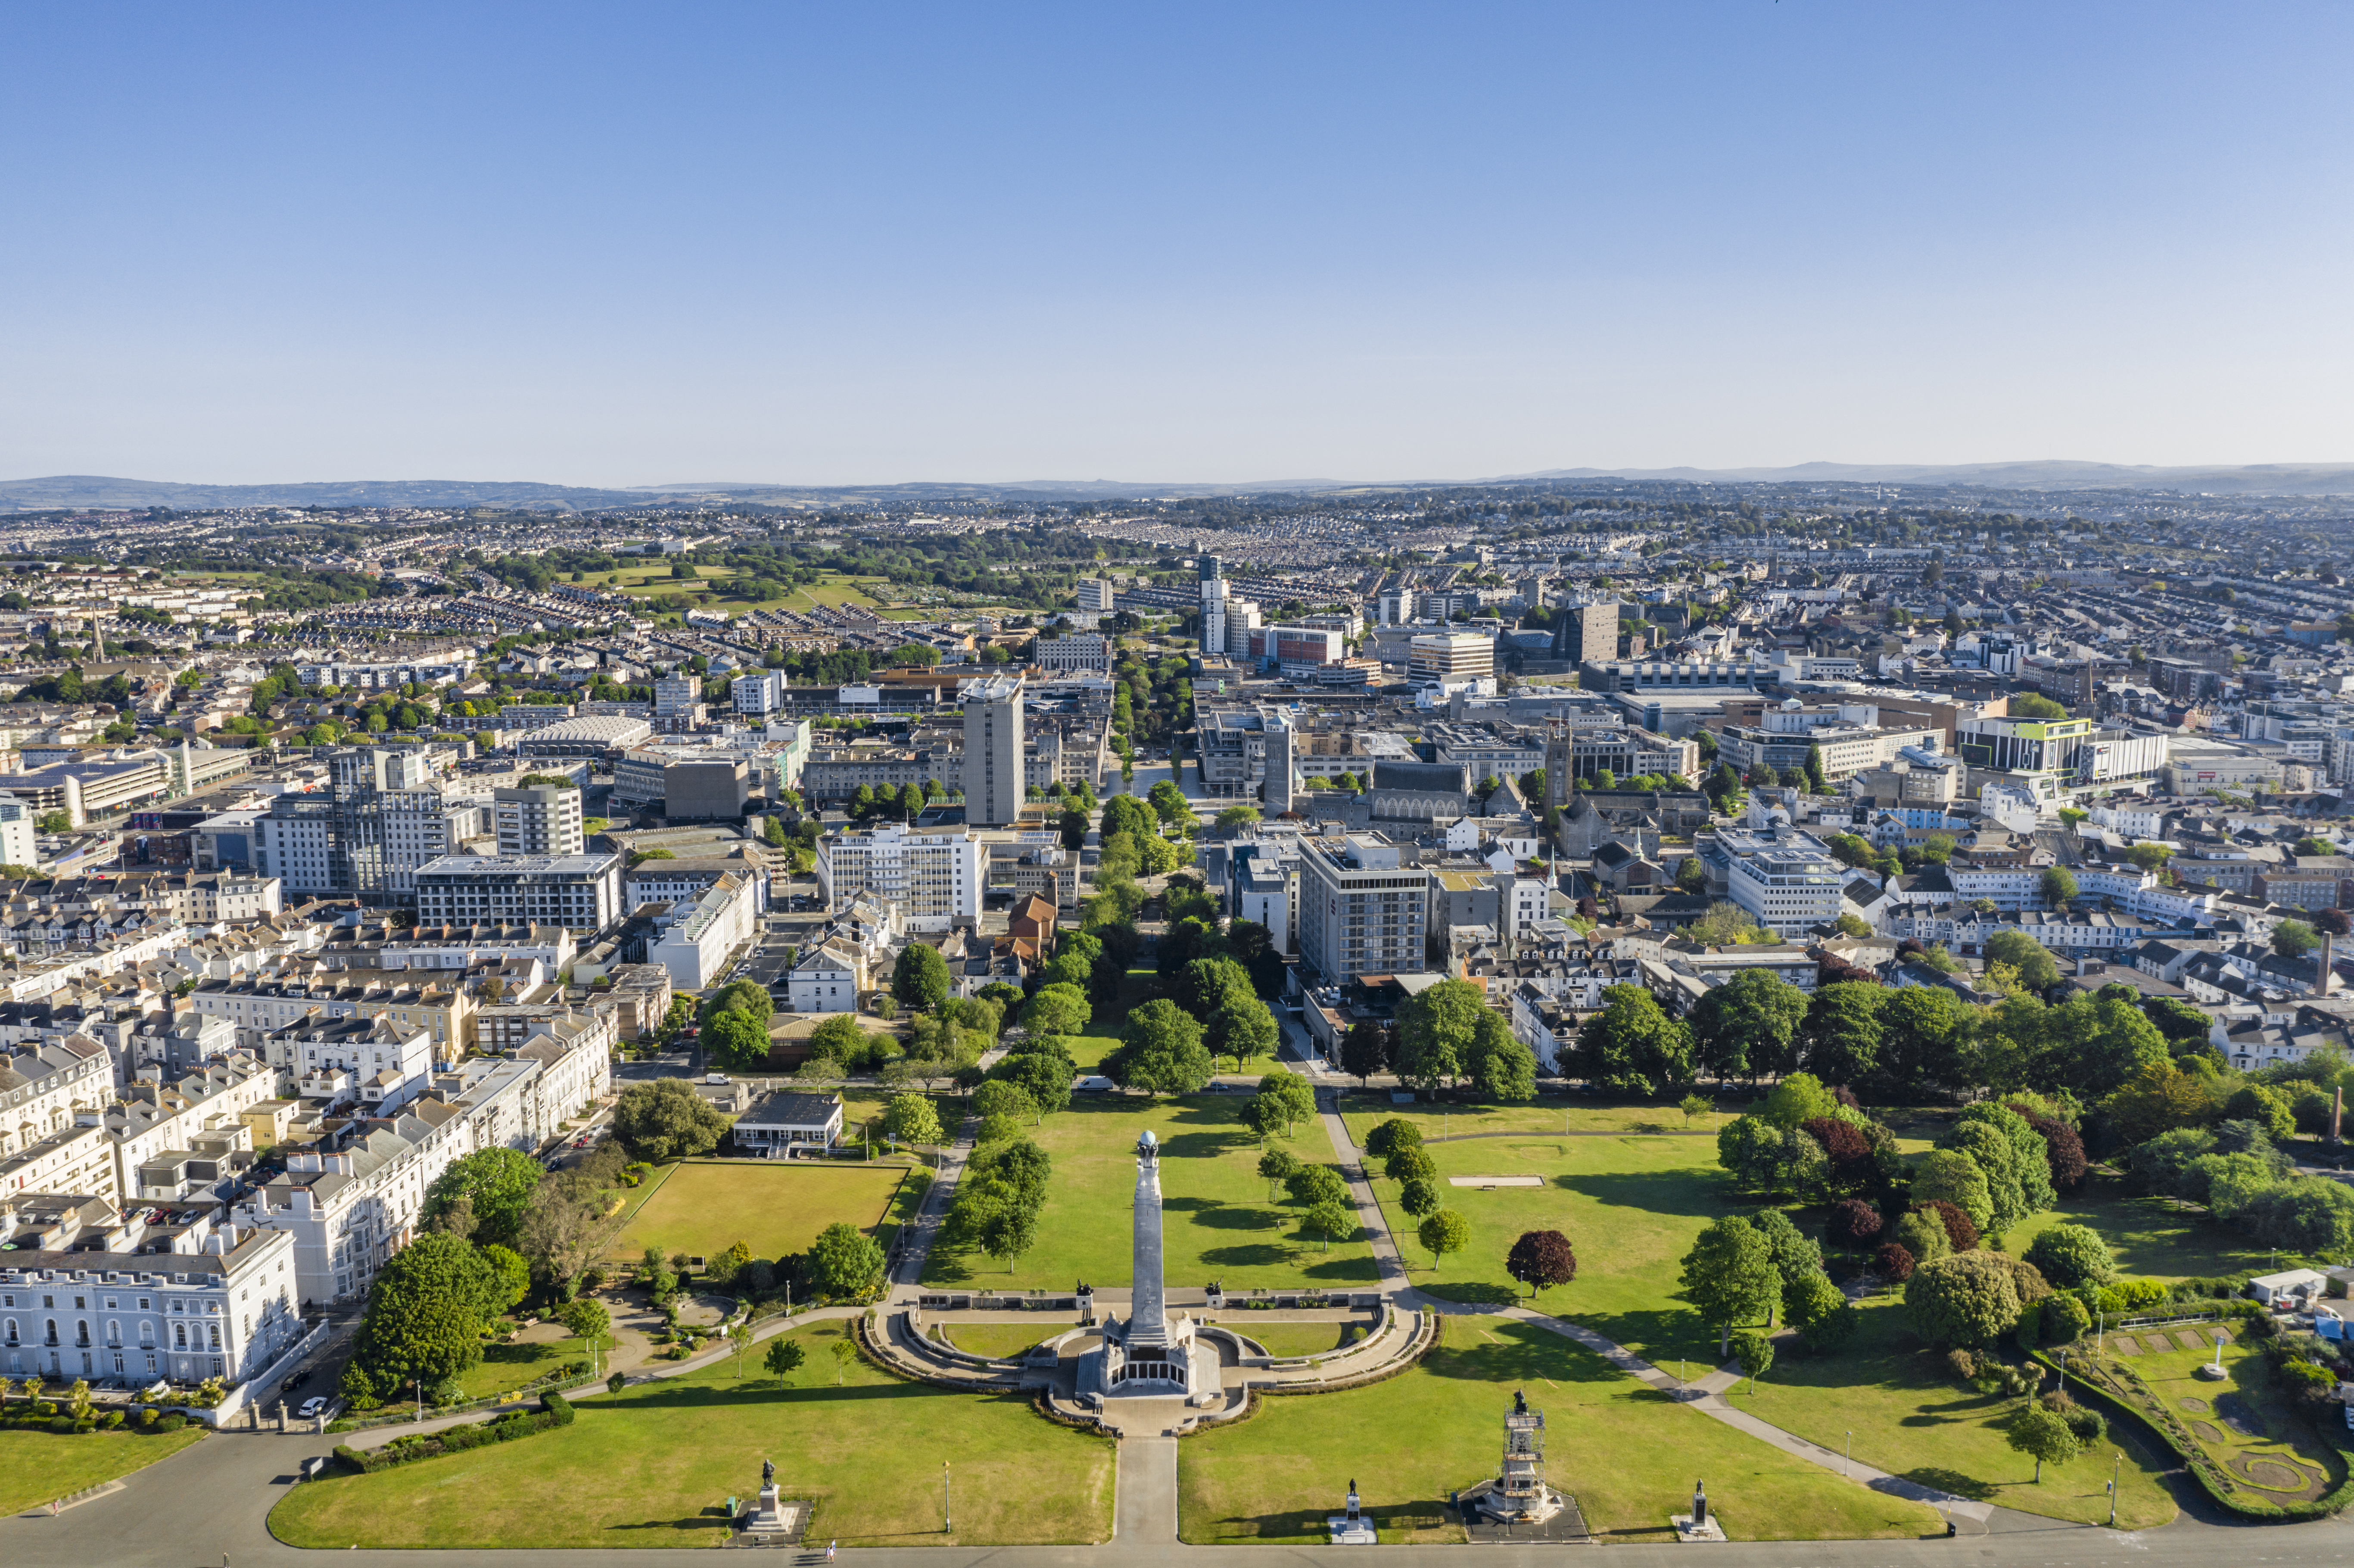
pixel 311 1406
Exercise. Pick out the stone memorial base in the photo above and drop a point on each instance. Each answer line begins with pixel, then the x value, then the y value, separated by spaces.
pixel 1686 1531
pixel 774 1521
pixel 1484 1520
pixel 2209 1370
pixel 1348 1531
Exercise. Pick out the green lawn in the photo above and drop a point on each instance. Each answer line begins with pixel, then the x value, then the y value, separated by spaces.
pixel 1102 1036
pixel 1219 1224
pixel 1293 1339
pixel 1631 1207
pixel 777 1207
pixel 1910 1418
pixel 505 1369
pixel 2280 1458
pixel 652 1466
pixel 2151 1237
pixel 36 1467
pixel 1005 1340
pixel 1362 1113
pixel 1626 1452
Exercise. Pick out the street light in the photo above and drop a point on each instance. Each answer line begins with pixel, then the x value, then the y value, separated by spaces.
pixel 2115 1477
pixel 1849 1469
pixel 948 1500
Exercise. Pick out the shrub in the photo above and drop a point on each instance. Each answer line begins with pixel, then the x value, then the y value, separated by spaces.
pixel 1893 1262
pixel 1920 1234
pixel 172 1423
pixel 1969 1299
pixel 2063 1319
pixel 2089 1426
pixel 2073 1254
pixel 146 1417
pixel 1961 1234
pixel 1961 1364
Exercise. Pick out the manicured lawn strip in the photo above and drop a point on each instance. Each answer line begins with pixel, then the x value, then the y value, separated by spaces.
pixel 1102 1036
pixel 1363 1112
pixel 1911 1419
pixel 654 1466
pixel 36 1467
pixel 1289 1339
pixel 1625 1451
pixel 776 1207
pixel 1631 1207
pixel 2150 1238
pixel 1217 1221
pixel 1005 1340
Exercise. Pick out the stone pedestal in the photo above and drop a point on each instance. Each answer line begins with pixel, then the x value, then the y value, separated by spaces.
pixel 1351 1528
pixel 1689 1530
pixel 771 1513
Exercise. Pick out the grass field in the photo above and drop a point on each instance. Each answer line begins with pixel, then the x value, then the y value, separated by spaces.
pixel 1627 1452
pixel 1913 1420
pixel 1362 1113
pixel 652 1466
pixel 1630 1207
pixel 775 1207
pixel 505 1369
pixel 654 578
pixel 36 1467
pixel 2149 1236
pixel 1219 1224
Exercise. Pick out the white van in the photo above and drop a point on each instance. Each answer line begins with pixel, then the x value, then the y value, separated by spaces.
pixel 1093 1083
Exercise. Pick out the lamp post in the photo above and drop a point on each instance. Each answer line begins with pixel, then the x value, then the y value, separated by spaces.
pixel 1848 1468
pixel 2116 1475
pixel 947 1500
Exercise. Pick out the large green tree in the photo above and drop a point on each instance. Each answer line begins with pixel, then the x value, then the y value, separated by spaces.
pixel 1925 1040
pixel 1748 1025
pixel 1161 1051
pixel 498 1182
pixel 1730 1277
pixel 1842 1031
pixel 920 980
pixel 1630 1047
pixel 1057 1009
pixel 1436 1030
pixel 1969 1299
pixel 844 1260
pixel 664 1119
pixel 426 1312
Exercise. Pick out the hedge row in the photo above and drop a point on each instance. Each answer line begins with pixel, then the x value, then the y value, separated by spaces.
pixel 64 1425
pixel 554 1411
pixel 2197 1462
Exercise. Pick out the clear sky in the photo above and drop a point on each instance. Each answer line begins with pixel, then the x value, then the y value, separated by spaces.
pixel 651 244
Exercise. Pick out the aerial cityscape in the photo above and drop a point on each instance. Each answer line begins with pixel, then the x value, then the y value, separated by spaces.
pixel 1688 945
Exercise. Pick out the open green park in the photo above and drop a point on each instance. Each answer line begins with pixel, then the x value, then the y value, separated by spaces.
pixel 2267 1448
pixel 1219 1223
pixel 655 1464
pixel 2151 1237
pixel 37 1467
pixel 1626 1451
pixel 775 1207
pixel 1363 1112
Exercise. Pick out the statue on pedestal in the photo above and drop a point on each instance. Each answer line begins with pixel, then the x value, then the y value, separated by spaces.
pixel 768 1472
pixel 1700 1504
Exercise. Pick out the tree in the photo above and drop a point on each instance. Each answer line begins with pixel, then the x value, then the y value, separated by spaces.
pixel 2070 1255
pixel 2044 1434
pixel 1754 1353
pixel 2059 885
pixel 1695 1106
pixel 1044 1076
pixel 1856 1222
pixel 843 1260
pixel 1748 1025
pixel 1442 1232
pixel 1276 1166
pixel 736 1042
pixel 1969 1298
pixel 1815 785
pixel 1842 1031
pixel 1057 1010
pixel 1435 1030
pixel 1955 1177
pixel 843 1350
pixel 912 1119
pixel 1419 1197
pixel 512 1272
pixel 1161 1051
pixel 1410 1165
pixel 1729 1276
pixel 1235 816
pixel 425 1315
pixel 571 1221
pixel 1630 1047
pixel 2295 938
pixel 663 1119
pixel 1010 1232
pixel 1926 1032
pixel 1364 1050
pixel 2038 971
pixel 998 1099
pixel 498 1184
pixel 1312 1184
pixel 1822 1316
pixel 1332 1221
pixel 1541 1259
pixel 1501 1068
pixel 1389 1136
pixel 588 1322
pixel 785 1356
pixel 920 980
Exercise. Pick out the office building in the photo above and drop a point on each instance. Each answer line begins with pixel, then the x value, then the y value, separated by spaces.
pixel 931 882
pixel 580 890
pixel 1784 879
pixel 1095 595
pixel 377 821
pixel 1213 605
pixel 1450 659
pixel 17 832
pixel 757 693
pixel 1074 653
pixel 698 936
pixel 538 818
pixel 1362 911
pixel 992 751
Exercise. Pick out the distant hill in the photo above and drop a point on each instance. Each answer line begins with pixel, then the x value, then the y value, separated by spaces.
pixel 2260 479
pixel 63 490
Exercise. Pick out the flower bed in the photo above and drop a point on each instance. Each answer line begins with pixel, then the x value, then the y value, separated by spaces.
pixel 553 1412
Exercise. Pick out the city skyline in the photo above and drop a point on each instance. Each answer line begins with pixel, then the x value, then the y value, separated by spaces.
pixel 598 248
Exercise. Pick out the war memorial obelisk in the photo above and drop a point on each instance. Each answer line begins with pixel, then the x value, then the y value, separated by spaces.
pixel 1147 1356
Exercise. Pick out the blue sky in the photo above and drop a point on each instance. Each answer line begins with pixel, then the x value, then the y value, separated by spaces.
pixel 646 244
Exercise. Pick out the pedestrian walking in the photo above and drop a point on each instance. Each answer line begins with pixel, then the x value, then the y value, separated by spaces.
pixel 829 1546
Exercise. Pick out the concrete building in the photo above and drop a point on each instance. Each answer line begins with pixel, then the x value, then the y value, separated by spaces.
pixel 373 1063
pixel 538 818
pixel 1446 660
pixel 17 832
pixel 1074 653
pixel 1363 911
pixel 757 693
pixel 994 775
pixel 706 788
pixel 1785 879
pixel 582 892
pixel 931 881
pixel 699 935
pixel 784 1125
pixel 1213 605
